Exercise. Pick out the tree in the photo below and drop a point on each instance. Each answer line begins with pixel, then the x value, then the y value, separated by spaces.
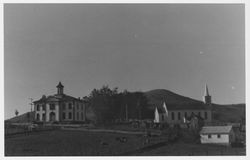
pixel 16 112
pixel 102 102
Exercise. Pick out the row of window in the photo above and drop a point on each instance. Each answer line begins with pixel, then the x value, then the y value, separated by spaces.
pixel 51 116
pixel 70 106
pixel 52 106
pixel 185 115
pixel 38 117
pixel 70 116
pixel 63 116
pixel 210 136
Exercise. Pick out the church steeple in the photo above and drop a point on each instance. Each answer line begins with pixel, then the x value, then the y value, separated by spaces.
pixel 60 88
pixel 206 91
pixel 207 99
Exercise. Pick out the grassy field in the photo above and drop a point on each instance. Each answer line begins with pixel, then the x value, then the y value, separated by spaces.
pixel 79 143
pixel 187 149
pixel 71 143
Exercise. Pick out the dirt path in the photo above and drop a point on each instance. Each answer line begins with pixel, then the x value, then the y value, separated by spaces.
pixel 111 131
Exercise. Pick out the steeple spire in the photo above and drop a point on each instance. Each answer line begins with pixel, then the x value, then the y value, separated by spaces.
pixel 207 99
pixel 206 91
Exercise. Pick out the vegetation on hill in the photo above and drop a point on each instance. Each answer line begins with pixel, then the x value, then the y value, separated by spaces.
pixel 23 118
pixel 221 113
pixel 160 95
pixel 233 113
pixel 107 104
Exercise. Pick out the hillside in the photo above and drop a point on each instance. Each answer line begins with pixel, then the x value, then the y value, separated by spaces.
pixel 229 113
pixel 221 113
pixel 157 96
pixel 21 118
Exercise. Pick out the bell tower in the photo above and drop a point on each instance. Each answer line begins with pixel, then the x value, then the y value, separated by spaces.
pixel 207 99
pixel 60 88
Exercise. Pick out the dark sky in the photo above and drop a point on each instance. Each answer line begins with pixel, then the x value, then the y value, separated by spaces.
pixel 179 47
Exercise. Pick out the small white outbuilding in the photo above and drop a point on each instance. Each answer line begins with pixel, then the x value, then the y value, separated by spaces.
pixel 217 135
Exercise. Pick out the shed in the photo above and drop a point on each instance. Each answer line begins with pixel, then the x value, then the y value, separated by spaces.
pixel 217 135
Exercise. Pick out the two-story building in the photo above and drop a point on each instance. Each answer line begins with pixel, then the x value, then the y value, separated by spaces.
pixel 59 107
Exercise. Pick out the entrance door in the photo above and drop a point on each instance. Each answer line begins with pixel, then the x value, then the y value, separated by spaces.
pixel 52 116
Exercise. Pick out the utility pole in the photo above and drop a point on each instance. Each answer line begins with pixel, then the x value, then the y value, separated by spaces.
pixel 31 103
pixel 126 112
pixel 139 108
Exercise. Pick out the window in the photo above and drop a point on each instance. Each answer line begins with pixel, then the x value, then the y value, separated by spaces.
pixel 70 115
pixel 44 107
pixel 38 107
pixel 63 106
pixel 82 115
pixel 209 136
pixel 162 117
pixel 38 117
pixel 63 115
pixel 77 116
pixel 70 106
pixel 43 116
pixel 179 116
pixel 77 106
pixel 205 115
pixel 185 114
pixel 82 106
pixel 218 135
pixel 52 106
pixel 172 115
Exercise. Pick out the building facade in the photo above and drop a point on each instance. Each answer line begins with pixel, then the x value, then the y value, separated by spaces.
pixel 59 107
pixel 217 135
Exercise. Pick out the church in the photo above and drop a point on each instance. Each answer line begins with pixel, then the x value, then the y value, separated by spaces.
pixel 178 113
pixel 59 107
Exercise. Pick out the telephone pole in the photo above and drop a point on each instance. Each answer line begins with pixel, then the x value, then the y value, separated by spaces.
pixel 29 114
pixel 126 112
pixel 31 103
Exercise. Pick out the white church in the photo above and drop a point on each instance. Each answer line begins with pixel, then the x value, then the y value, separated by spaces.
pixel 177 114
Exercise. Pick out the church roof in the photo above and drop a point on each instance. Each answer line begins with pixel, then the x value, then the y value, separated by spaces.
pixel 160 108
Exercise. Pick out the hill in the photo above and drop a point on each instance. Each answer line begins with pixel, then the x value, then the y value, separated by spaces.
pixel 23 118
pixel 229 113
pixel 221 113
pixel 157 96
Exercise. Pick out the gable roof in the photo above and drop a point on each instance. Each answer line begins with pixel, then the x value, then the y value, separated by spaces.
pixel 215 129
pixel 160 108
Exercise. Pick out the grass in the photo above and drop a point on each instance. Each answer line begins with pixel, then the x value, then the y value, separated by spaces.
pixel 188 149
pixel 70 143
pixel 80 143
